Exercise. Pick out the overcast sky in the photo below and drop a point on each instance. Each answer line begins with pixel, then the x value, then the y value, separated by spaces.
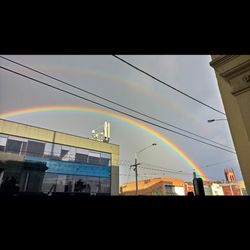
pixel 111 78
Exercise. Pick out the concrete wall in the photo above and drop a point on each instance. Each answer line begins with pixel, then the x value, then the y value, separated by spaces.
pixel 114 180
pixel 232 73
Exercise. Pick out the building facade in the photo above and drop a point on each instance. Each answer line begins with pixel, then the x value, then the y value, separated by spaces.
pixel 231 189
pixel 233 76
pixel 155 186
pixel 217 189
pixel 242 187
pixel 73 163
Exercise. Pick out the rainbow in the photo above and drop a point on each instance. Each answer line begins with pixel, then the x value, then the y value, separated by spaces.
pixel 150 130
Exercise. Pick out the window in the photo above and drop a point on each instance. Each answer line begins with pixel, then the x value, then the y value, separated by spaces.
pixel 68 183
pixel 57 150
pixel 81 155
pixel 106 155
pixel 105 159
pixel 105 162
pixel 35 148
pixel 65 153
pixel 3 141
pixel 94 158
pixel 13 146
pixel 24 147
pixel 169 190
pixel 48 149
pixel 94 154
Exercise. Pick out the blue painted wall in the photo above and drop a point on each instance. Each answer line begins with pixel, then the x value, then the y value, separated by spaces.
pixel 65 167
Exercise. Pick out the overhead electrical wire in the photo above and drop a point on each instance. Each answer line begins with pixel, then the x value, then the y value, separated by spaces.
pixel 218 163
pixel 107 107
pixel 168 85
pixel 113 102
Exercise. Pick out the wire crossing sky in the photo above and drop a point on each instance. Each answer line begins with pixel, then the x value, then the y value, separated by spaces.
pixel 106 77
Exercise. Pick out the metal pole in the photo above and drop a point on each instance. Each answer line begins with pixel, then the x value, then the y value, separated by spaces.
pixel 136 176
pixel 136 164
pixel 53 143
pixel 194 174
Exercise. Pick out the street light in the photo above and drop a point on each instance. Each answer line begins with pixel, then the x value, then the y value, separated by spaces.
pixel 213 120
pixel 136 164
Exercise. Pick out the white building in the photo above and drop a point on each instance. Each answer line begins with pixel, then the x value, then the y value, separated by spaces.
pixel 216 189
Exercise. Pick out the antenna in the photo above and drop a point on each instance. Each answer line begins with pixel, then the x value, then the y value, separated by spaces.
pixel 103 135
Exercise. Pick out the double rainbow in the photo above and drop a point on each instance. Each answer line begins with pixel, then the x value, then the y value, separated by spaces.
pixel 148 129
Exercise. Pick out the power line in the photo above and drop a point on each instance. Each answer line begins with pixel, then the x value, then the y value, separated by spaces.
pixel 164 170
pixel 113 102
pixel 218 163
pixel 168 85
pixel 105 106
pixel 159 168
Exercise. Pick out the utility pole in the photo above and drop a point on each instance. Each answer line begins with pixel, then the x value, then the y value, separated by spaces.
pixel 194 174
pixel 136 164
pixel 198 185
pixel 136 174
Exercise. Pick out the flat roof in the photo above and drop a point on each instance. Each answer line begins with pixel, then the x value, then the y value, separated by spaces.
pixel 56 131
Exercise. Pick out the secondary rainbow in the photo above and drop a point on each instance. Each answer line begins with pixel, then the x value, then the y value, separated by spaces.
pixel 150 130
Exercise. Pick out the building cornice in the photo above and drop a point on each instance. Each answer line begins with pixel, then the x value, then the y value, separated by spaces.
pixel 237 70
pixel 222 59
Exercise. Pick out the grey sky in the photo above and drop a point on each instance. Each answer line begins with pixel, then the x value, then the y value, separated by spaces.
pixel 109 77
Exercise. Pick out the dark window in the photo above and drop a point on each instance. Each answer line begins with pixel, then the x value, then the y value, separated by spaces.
pixel 94 160
pixel 169 190
pixel 13 146
pixel 35 148
pixel 64 152
pixel 105 161
pixel 81 158
pixel 24 147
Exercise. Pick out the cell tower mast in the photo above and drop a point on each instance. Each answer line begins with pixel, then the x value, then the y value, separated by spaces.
pixel 102 135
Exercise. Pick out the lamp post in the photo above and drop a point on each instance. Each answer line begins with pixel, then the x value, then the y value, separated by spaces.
pixel 214 120
pixel 136 164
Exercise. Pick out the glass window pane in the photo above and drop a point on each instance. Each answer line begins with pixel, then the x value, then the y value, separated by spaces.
pixel 106 155
pixel 35 148
pixel 94 160
pixel 24 147
pixel 81 158
pixel 105 162
pixel 48 148
pixel 3 141
pixel 65 147
pixel 95 154
pixel 13 146
pixel 82 151
pixel 49 182
pixel 57 150
pixel 17 138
